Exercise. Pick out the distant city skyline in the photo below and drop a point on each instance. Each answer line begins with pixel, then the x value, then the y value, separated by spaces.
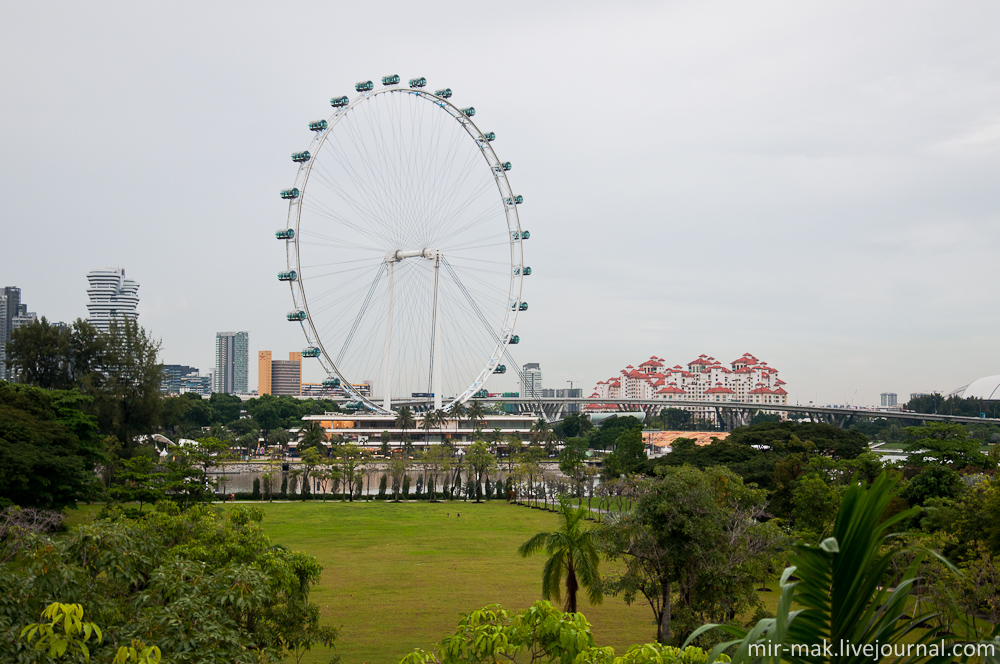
pixel 810 182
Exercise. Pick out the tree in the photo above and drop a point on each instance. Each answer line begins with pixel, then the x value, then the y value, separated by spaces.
pixel 541 433
pixel 829 440
pixel 606 435
pixel 692 545
pixel 139 480
pixel 572 462
pixel 314 437
pixel 311 459
pixel 429 422
pixel 397 470
pixel 476 413
pixel 48 447
pixel 480 462
pixel 404 420
pixel 947 444
pixel 350 461
pixel 265 413
pixel 56 358
pixel 573 425
pixel 205 585
pixel 932 482
pixel 572 551
pixel 128 397
pixel 437 459
pixel 845 592
pixel 628 457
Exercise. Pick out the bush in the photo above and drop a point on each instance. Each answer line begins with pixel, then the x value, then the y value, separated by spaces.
pixel 256 489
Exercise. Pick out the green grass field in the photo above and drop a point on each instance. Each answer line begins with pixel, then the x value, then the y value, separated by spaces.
pixel 398 576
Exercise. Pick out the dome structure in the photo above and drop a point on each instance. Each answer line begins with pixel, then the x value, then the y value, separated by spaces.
pixel 987 388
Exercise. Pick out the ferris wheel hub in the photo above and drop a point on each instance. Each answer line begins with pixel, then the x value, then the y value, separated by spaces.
pixel 400 254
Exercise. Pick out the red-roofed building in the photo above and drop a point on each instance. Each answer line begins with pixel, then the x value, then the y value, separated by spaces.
pixel 704 379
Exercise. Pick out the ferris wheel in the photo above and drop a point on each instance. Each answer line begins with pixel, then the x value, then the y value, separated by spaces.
pixel 404 248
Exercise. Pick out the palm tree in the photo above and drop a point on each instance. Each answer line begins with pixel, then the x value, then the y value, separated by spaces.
pixel 573 551
pixel 405 420
pixel 429 420
pixel 541 433
pixel 457 412
pixel 476 412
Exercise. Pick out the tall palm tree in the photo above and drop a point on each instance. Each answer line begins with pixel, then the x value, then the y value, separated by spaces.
pixel 476 412
pixel 457 412
pixel 572 551
pixel 405 419
pixel 429 421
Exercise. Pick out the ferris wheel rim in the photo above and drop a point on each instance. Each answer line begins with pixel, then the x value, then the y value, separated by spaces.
pixel 515 242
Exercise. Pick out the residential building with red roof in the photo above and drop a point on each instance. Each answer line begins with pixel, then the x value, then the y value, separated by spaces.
pixel 746 380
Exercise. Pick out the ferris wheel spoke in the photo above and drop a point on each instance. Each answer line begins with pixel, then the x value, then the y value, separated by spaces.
pixel 361 313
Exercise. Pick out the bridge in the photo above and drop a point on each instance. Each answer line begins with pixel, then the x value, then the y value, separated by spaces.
pixel 730 413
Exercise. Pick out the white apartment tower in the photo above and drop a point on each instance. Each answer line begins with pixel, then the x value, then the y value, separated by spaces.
pixel 232 361
pixel 112 297
pixel 531 380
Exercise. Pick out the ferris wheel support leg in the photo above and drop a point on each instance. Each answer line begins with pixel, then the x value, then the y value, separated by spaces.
pixel 435 381
pixel 387 387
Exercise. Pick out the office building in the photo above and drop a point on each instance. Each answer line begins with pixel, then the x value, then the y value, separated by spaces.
pixel 232 361
pixel 181 379
pixel 10 307
pixel 531 380
pixel 279 377
pixel 112 297
pixel 888 399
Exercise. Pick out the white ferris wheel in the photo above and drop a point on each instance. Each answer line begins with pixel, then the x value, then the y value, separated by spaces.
pixel 404 249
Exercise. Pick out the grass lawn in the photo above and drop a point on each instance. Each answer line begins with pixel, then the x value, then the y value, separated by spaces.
pixel 397 576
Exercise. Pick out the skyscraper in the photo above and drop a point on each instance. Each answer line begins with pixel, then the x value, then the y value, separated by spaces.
pixel 231 362
pixel 531 380
pixel 112 297
pixel 10 307
pixel 279 376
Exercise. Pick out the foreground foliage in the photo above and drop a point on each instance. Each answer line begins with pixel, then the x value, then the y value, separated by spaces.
pixel 204 586
pixel 540 633
pixel 847 591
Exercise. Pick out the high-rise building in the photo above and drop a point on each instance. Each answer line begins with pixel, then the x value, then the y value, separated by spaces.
pixel 232 361
pixel 181 379
pixel 10 307
pixel 531 380
pixel 112 297
pixel 888 399
pixel 279 376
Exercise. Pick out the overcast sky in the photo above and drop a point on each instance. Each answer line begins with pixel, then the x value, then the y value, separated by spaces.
pixel 813 183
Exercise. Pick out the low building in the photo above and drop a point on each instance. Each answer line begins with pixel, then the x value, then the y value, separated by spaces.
pixel 367 429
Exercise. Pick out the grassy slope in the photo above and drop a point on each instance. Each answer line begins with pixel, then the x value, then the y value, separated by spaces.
pixel 398 576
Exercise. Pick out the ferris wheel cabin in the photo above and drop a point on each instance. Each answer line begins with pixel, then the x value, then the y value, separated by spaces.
pixel 311 351
pixel 285 234
pixel 364 86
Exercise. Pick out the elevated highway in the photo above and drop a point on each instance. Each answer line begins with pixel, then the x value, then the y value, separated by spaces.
pixel 731 413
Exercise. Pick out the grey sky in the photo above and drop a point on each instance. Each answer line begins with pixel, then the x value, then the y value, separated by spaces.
pixel 815 183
